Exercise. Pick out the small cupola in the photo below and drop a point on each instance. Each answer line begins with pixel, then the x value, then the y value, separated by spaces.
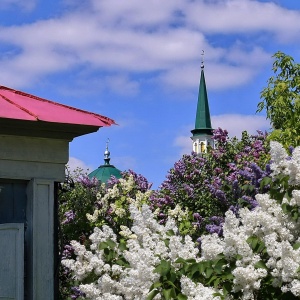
pixel 104 172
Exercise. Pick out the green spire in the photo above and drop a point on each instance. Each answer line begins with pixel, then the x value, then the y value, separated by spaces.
pixel 202 123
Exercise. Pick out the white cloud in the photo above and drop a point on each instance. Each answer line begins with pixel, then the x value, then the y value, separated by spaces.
pixel 138 13
pixel 240 16
pixel 235 124
pixel 122 85
pixel 154 36
pixel 75 163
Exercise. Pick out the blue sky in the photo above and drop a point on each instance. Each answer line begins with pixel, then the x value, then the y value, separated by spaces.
pixel 138 62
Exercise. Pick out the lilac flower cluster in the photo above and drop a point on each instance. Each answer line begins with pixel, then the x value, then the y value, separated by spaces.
pixel 142 184
pixel 88 182
pixel 228 176
pixel 112 181
pixel 69 217
pixel 76 292
pixel 216 225
pixel 67 252
pixel 198 220
pixel 140 181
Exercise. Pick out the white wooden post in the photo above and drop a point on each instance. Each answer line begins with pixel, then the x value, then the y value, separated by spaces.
pixel 40 239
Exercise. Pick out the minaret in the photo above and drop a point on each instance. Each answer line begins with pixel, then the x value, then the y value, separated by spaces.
pixel 203 132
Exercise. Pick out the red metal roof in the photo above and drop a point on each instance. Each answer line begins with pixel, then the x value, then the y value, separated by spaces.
pixel 22 106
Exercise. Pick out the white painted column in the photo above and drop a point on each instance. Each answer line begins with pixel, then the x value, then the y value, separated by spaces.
pixel 40 239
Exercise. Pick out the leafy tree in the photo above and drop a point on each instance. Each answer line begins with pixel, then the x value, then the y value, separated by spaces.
pixel 281 99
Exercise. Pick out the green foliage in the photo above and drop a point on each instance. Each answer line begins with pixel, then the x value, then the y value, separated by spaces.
pixel 80 200
pixel 281 99
pixel 77 197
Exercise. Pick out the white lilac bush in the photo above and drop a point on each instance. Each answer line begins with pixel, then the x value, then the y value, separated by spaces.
pixel 258 256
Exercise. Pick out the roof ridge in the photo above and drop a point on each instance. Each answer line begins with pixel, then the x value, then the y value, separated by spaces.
pixel 102 118
pixel 20 107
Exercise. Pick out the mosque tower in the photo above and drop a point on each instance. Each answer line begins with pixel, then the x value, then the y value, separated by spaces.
pixel 203 132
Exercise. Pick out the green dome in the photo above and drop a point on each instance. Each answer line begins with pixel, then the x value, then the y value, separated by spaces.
pixel 104 172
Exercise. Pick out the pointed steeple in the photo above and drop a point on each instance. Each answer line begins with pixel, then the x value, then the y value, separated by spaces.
pixel 202 133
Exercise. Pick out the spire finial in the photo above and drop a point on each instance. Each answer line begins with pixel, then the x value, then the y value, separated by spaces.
pixel 107 142
pixel 107 153
pixel 202 60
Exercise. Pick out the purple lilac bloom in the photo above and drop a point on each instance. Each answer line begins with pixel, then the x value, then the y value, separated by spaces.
pixel 246 174
pixel 220 135
pixel 88 182
pixel 189 190
pixel 69 217
pixel 251 201
pixel 140 181
pixel 268 169
pixel 216 226
pixel 232 177
pixel 291 149
pixel 112 181
pixel 217 220
pixel 218 170
pixel 77 293
pixel 212 228
pixel 258 145
pixel 67 252
pixel 247 149
pixel 221 196
pixel 180 168
pixel 235 209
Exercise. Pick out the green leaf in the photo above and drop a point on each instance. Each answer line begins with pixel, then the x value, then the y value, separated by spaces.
pixel 260 265
pixel 191 260
pixel 156 285
pixel 181 297
pixel 111 243
pixel 167 242
pixel 170 283
pixel 219 265
pixel 265 181
pixel 170 232
pixel 180 260
pixel 252 241
pixel 103 245
pixel 296 246
pixel 167 294
pixel 227 287
pixel 163 268
pixel 208 272
pixel 110 255
pixel 122 262
pixel 152 294
pixel 123 245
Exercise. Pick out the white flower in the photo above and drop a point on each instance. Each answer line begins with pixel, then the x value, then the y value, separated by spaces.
pixel 211 246
pixel 197 291
pixel 279 163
